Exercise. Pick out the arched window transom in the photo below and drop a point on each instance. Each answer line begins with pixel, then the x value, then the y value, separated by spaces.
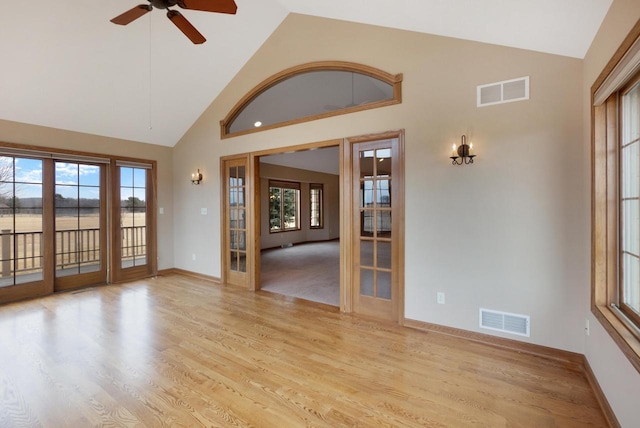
pixel 309 92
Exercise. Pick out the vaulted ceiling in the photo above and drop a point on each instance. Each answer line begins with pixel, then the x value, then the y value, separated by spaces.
pixel 64 65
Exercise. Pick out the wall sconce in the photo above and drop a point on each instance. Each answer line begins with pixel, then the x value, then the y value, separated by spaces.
pixel 196 177
pixel 464 152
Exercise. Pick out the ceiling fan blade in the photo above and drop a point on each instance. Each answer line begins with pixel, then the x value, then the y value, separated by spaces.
pixel 219 6
pixel 132 14
pixel 185 26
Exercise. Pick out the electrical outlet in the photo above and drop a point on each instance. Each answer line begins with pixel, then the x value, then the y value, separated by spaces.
pixel 161 209
pixel 193 256
pixel 440 298
pixel 586 327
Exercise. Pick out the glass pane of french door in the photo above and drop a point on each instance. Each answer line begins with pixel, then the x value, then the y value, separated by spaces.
pixel 78 219
pixel 133 217
pixel 237 214
pixel 375 223
pixel 21 220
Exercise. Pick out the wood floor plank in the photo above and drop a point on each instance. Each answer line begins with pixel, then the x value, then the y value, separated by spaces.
pixel 181 352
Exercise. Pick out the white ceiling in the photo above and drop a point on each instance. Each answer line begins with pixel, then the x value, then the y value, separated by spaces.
pixel 64 65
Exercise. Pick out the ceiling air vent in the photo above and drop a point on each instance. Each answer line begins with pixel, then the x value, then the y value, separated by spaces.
pixel 503 92
pixel 505 322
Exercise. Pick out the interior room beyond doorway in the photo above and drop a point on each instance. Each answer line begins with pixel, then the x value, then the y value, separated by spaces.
pixel 300 224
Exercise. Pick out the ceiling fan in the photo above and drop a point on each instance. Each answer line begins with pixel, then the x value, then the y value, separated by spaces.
pixel 218 6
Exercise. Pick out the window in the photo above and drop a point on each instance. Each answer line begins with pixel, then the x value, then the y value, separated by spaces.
pixel 629 256
pixel 315 206
pixel 312 91
pixel 616 198
pixel 284 206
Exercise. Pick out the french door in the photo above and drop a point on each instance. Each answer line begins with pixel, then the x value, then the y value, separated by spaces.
pixel 237 252
pixel 377 236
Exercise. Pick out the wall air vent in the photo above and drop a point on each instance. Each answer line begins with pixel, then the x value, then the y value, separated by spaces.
pixel 505 322
pixel 503 92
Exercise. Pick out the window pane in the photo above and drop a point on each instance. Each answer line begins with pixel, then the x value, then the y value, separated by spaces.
pixel 366 222
pixel 366 164
pixel 630 204
pixel 242 262
pixel 631 281
pixel 383 162
pixel 133 216
pixel 89 175
pixel 284 208
pixel 366 194
pixel 233 258
pixel 275 201
pixel 384 224
pixel 310 93
pixel 630 229
pixel 383 193
pixel 384 285
pixel 366 282
pixel 89 197
pixel 630 171
pixel 630 115
pixel 240 219
pixel 28 170
pixel 315 202
pixel 126 177
pixel 6 169
pixel 66 173
pixel 384 254
pixel 366 253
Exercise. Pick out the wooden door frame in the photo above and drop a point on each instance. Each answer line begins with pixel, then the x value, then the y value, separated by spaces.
pixel 346 212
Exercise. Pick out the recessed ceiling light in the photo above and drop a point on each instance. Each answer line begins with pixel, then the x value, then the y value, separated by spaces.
pixel 258 124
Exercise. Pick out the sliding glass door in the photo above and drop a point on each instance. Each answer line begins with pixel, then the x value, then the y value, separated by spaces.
pixel 80 224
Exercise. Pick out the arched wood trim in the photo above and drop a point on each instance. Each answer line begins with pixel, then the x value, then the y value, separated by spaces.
pixel 395 80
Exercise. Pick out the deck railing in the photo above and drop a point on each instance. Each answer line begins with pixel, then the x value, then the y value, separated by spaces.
pixel 73 248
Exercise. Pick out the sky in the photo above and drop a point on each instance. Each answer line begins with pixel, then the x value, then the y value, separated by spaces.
pixel 72 180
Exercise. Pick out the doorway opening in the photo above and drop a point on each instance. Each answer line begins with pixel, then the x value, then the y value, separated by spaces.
pixel 299 195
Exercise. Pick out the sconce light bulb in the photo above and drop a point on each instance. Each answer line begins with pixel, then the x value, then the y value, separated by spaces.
pixel 471 145
pixel 453 146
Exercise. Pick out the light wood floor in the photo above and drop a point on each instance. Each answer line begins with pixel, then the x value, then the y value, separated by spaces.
pixel 176 351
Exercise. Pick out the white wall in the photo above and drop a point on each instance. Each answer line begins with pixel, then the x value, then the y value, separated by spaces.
pixel 617 377
pixel 505 233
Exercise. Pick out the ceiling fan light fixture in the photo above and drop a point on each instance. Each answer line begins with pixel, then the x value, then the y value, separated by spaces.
pixel 218 6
